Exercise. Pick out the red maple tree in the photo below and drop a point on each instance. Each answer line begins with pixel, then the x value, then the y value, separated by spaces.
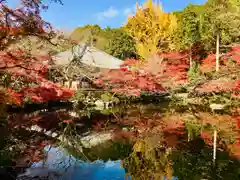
pixel 208 64
pixel 230 63
pixel 23 21
pixel 156 74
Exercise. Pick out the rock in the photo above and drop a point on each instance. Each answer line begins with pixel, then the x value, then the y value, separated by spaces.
pixel 74 101
pixel 132 128
pixel 89 140
pixel 217 106
pixel 193 101
pixel 36 128
pixel 73 114
pixel 99 103
pixel 48 133
pixel 95 139
pixel 182 95
pixel 54 135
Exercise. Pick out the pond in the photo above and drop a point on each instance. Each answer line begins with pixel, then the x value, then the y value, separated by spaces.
pixel 133 142
pixel 66 166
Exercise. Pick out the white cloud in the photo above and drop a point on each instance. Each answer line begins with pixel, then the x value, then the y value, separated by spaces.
pixel 129 11
pixel 108 13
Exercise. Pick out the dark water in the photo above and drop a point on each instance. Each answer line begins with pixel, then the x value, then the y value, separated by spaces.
pixel 147 142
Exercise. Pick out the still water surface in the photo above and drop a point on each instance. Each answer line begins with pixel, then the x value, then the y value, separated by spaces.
pixel 149 142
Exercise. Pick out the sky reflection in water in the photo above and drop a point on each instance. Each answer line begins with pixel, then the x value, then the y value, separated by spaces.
pixel 73 169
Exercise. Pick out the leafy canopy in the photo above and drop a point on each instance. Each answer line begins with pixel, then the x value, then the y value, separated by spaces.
pixel 151 28
pixel 220 17
pixel 188 31
pixel 120 45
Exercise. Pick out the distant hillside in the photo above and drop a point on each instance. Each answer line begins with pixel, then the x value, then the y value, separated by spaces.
pixel 39 47
pixel 90 34
pixel 114 41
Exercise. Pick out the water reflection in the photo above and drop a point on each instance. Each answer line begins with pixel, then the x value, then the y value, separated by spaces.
pixel 156 143
pixel 70 168
pixel 150 159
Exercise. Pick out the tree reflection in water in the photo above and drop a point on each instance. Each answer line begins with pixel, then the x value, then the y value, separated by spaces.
pixel 161 144
pixel 189 160
pixel 70 168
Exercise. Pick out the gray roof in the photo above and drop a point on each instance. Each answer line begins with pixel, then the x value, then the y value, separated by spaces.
pixel 90 56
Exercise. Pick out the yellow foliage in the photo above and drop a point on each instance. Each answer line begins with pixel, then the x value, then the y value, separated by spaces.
pixel 151 28
pixel 169 170
pixel 149 159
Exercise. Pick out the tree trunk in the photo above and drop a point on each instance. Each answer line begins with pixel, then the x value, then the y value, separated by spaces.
pixel 70 84
pixel 217 51
pixel 190 57
pixel 214 145
pixel 91 41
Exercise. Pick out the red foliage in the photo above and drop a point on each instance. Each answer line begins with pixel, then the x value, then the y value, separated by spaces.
pixel 207 137
pixel 123 68
pixel 217 86
pixel 172 67
pixel 237 89
pixel 238 85
pixel 222 84
pixel 68 121
pixel 44 93
pixel 45 120
pixel 14 97
pixel 25 20
pixel 19 64
pixel 32 69
pixel 154 75
pixel 172 140
pixel 209 63
pixel 235 147
pixel 32 152
pixel 128 82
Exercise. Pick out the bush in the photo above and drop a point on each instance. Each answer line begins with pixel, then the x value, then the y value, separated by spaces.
pixel 194 72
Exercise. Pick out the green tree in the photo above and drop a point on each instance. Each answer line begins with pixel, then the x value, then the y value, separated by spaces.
pixel 188 31
pixel 221 21
pixel 92 34
pixel 120 45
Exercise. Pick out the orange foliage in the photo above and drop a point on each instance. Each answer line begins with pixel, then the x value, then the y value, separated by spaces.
pixel 14 97
pixel 32 69
pixel 208 64
pixel 20 22
pixel 217 86
pixel 154 75
pixel 23 21
pixel 19 64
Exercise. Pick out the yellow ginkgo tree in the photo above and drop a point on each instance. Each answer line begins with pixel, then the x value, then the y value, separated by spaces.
pixel 152 28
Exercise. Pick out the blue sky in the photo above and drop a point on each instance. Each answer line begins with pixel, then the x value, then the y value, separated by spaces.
pixel 103 12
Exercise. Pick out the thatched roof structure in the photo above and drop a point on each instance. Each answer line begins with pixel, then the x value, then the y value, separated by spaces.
pixel 90 56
